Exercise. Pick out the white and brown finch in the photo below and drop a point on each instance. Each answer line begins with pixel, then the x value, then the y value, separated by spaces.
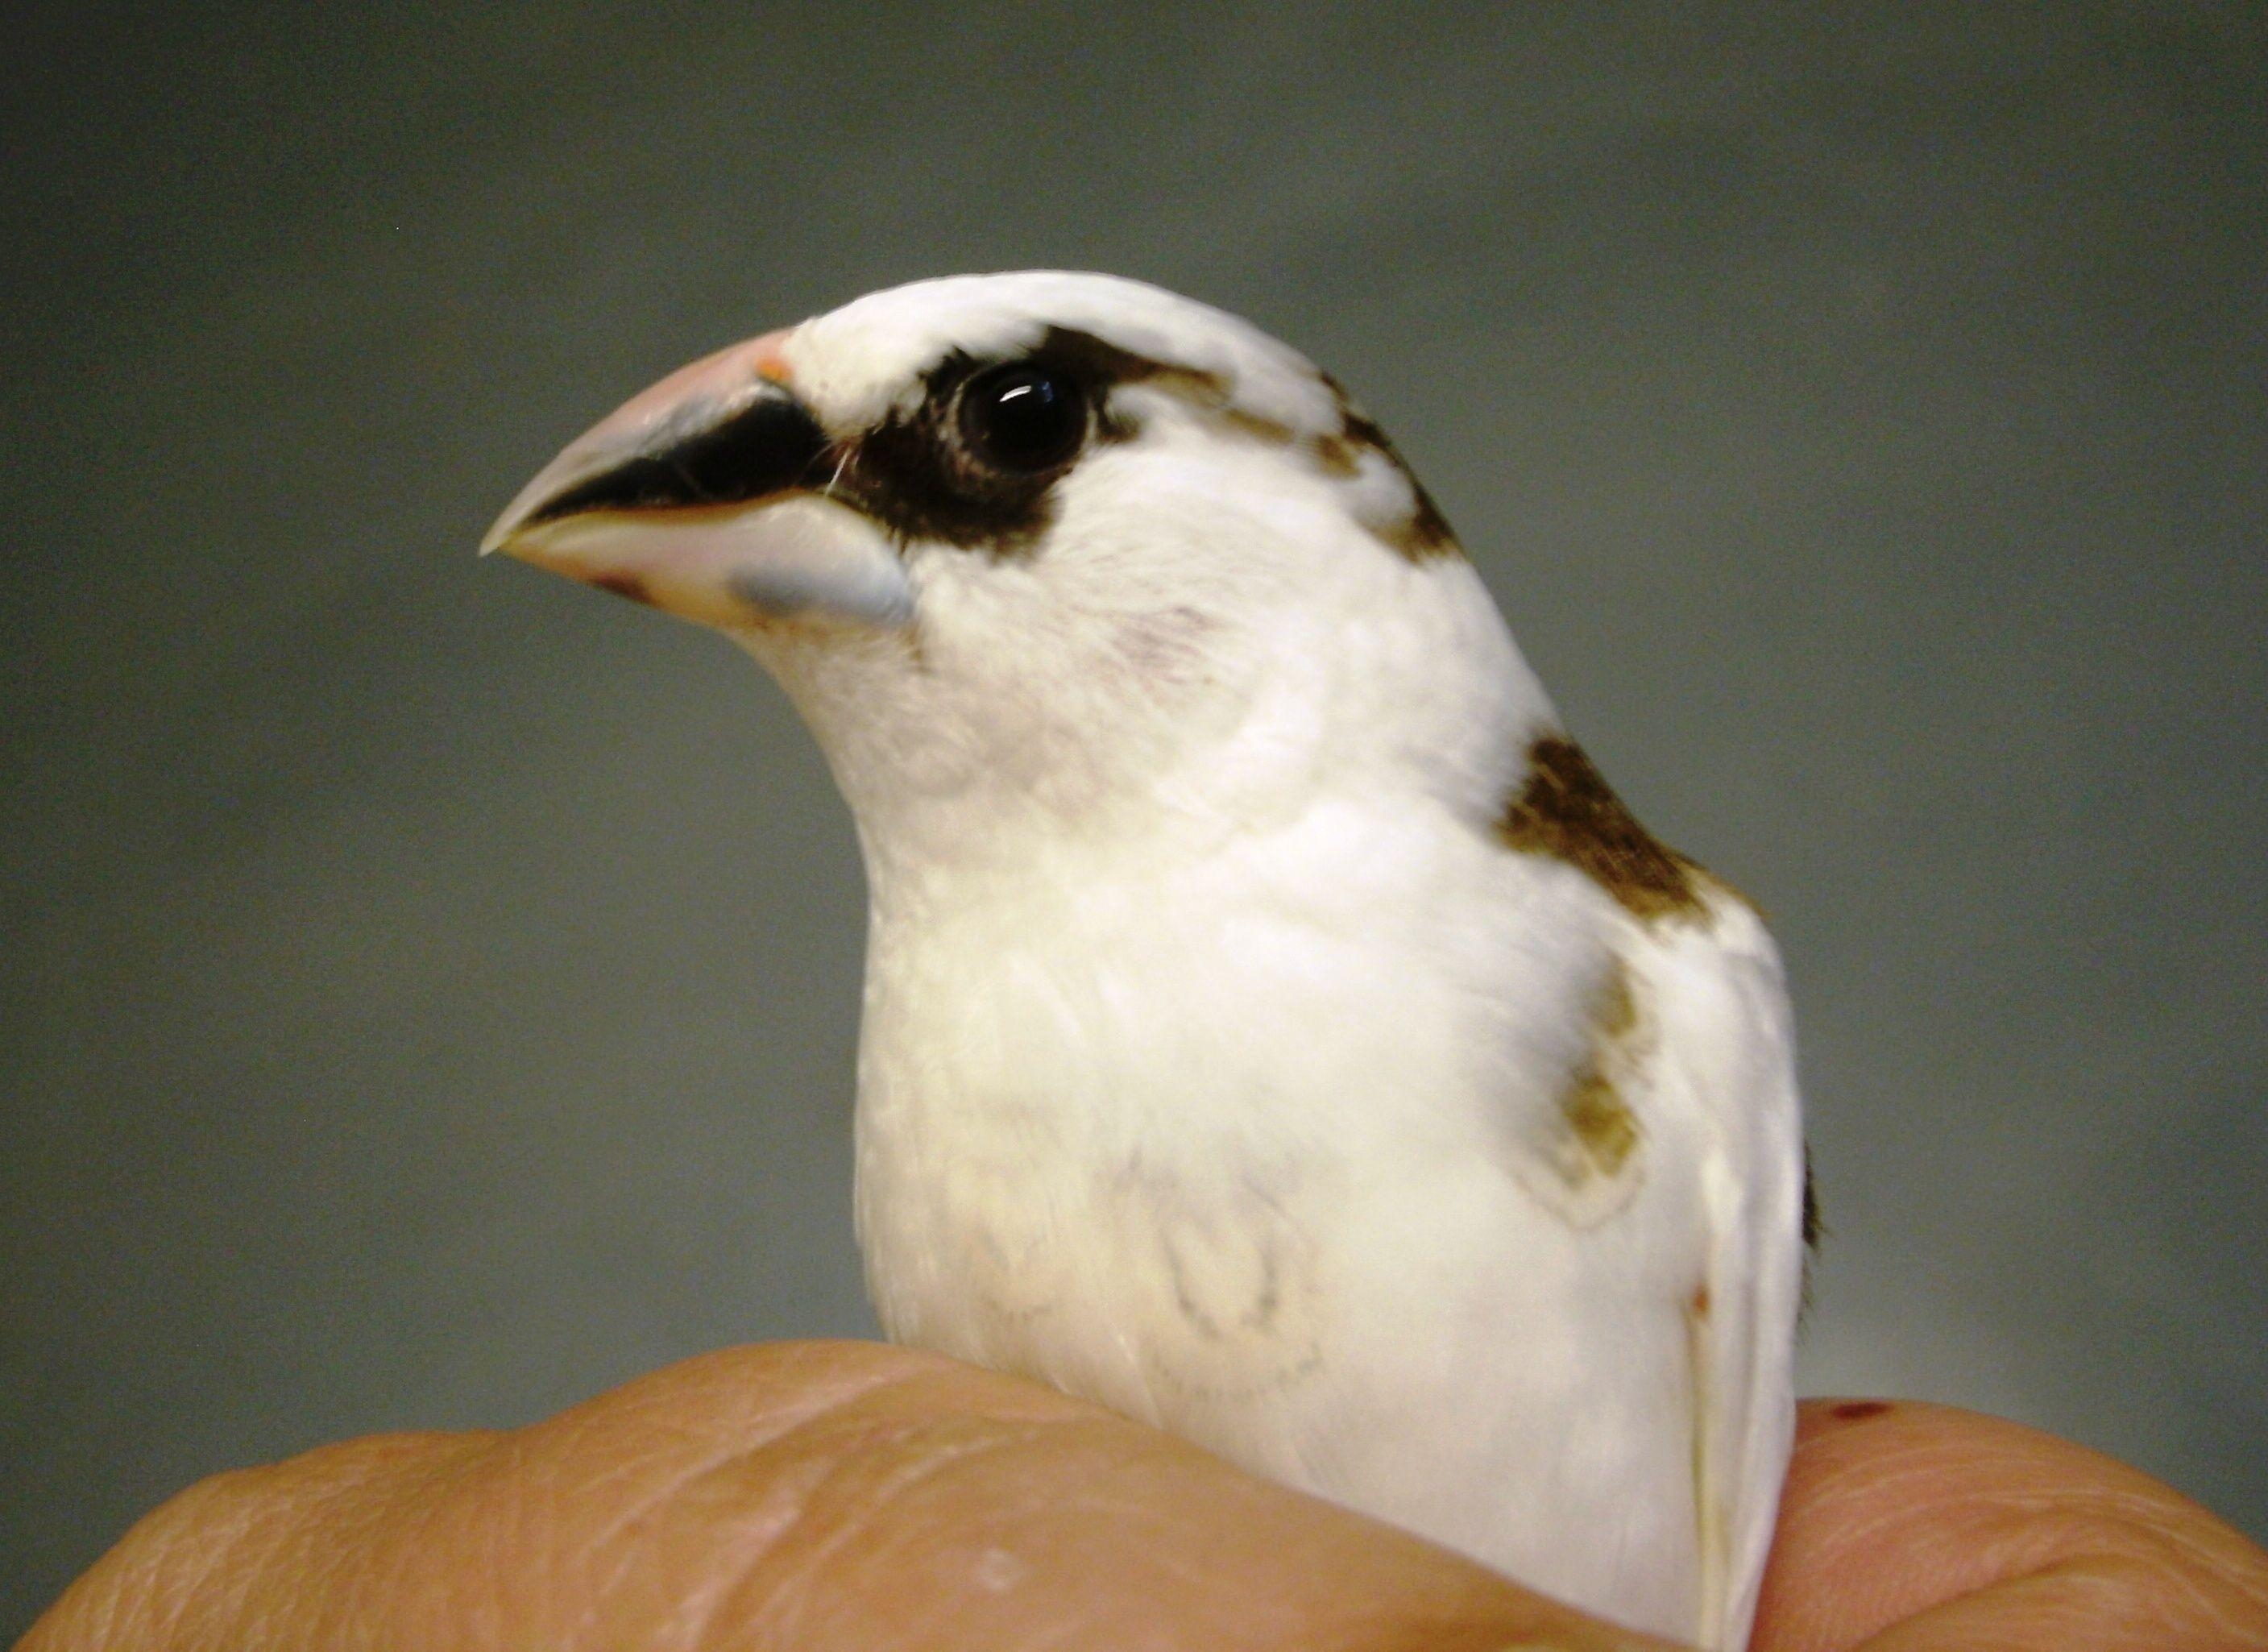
pixel 1275 1028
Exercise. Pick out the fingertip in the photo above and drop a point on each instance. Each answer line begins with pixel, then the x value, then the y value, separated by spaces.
pixel 1897 1510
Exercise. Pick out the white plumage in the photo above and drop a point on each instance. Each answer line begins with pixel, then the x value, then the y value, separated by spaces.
pixel 1275 1029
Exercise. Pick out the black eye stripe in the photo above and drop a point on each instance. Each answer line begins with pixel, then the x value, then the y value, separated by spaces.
pixel 911 473
pixel 942 471
pixel 975 463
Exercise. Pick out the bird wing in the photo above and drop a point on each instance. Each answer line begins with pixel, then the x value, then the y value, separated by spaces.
pixel 1728 1043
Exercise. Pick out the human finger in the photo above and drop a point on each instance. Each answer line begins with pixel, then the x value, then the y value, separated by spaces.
pixel 1908 1526
pixel 826 1497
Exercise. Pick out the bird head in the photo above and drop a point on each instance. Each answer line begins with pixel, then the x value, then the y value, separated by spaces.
pixel 1055 548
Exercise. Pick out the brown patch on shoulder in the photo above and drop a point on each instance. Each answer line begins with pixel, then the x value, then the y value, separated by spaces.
pixel 1602 1124
pixel 1605 1133
pixel 1581 1150
pixel 1566 810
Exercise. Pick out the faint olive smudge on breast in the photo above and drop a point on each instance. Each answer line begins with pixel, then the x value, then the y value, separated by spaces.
pixel 1231 1287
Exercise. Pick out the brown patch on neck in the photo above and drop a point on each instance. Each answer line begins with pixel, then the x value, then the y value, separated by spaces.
pixel 1425 534
pixel 1566 810
pixel 1334 456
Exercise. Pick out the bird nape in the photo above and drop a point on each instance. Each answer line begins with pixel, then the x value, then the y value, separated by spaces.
pixel 1275 1028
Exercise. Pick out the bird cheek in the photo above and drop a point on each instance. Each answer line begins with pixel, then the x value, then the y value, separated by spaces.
pixel 799 559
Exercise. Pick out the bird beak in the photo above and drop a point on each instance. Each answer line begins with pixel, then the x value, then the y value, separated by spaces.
pixel 706 496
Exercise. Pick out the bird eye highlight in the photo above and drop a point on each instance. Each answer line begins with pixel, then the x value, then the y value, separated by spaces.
pixel 1022 419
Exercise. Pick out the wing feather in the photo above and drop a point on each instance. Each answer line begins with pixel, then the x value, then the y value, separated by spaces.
pixel 1729 1042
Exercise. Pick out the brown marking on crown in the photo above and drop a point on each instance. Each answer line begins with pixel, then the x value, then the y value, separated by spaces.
pixel 1101 365
pixel 1260 429
pixel 1566 810
pixel 1604 1131
pixel 1421 536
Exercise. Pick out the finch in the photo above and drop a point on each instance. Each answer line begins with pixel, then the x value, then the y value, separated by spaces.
pixel 1275 1027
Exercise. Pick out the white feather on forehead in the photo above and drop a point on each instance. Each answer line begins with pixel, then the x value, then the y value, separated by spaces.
pixel 855 364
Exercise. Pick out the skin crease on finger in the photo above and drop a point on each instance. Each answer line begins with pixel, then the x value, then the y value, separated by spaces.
pixel 842 1496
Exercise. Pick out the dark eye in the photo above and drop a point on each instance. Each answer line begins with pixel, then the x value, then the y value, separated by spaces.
pixel 1023 419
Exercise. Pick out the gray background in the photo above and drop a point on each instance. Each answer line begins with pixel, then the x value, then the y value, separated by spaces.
pixel 429 987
